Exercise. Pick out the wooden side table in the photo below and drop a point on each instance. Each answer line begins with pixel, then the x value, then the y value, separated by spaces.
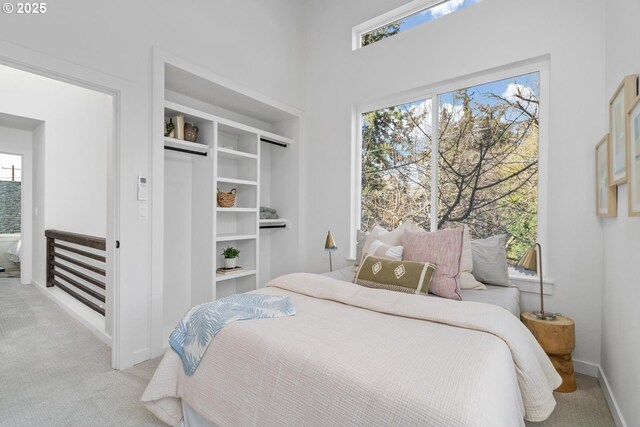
pixel 558 339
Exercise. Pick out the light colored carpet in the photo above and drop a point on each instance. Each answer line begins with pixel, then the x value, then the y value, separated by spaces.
pixel 54 372
pixel 585 407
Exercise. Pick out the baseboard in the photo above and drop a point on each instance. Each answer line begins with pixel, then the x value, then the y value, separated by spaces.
pixel 141 355
pixel 611 400
pixel 585 368
pixel 76 310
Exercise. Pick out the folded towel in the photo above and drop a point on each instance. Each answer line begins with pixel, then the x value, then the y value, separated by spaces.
pixel 266 209
pixel 202 323
pixel 268 215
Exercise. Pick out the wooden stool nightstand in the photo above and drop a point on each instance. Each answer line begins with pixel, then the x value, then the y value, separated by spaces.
pixel 558 339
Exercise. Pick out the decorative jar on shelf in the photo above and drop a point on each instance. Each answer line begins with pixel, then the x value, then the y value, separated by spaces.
pixel 190 132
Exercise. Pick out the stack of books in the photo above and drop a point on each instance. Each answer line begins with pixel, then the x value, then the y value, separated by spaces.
pixel 223 270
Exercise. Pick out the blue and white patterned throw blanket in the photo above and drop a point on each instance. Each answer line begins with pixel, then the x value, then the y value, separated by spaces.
pixel 202 323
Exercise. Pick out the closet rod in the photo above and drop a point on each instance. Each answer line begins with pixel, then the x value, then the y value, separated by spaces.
pixel 280 144
pixel 182 150
pixel 274 226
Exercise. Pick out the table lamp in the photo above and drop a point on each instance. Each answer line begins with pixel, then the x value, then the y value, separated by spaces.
pixel 330 246
pixel 529 261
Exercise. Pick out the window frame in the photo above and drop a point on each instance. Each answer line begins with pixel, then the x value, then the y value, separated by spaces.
pixel 387 18
pixel 539 65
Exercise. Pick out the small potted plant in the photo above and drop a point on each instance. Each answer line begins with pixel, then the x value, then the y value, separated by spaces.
pixel 230 255
pixel 169 129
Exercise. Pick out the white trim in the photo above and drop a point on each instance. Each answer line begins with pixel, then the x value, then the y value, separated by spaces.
pixel 435 137
pixel 10 237
pixel 611 400
pixel 356 182
pixel 83 314
pixel 47 66
pixel 585 368
pixel 394 15
pixel 155 296
pixel 539 64
pixel 531 284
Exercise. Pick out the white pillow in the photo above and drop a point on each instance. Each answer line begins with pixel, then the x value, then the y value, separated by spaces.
pixel 391 238
pixel 374 234
pixel 394 238
pixel 382 250
pixel 361 238
pixel 467 280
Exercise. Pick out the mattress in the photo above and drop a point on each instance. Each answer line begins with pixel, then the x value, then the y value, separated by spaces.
pixel 502 296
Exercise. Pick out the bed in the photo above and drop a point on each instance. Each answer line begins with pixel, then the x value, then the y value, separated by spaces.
pixel 502 296
pixel 358 356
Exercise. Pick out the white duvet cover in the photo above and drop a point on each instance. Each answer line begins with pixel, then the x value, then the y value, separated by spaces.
pixel 360 356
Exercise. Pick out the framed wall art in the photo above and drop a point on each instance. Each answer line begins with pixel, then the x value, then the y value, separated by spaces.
pixel 618 125
pixel 606 194
pixel 633 161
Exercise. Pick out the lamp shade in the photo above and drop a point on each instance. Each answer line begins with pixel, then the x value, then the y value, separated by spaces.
pixel 529 260
pixel 330 244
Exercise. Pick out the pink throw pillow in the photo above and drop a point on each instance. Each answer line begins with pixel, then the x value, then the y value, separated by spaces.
pixel 443 248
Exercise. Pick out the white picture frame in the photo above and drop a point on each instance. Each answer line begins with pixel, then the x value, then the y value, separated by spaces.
pixel 633 158
pixel 606 194
pixel 618 125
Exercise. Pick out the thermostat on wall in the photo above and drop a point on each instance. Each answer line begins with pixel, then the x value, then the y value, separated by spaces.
pixel 143 193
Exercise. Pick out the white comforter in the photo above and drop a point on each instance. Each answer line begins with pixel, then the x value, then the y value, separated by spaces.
pixel 359 356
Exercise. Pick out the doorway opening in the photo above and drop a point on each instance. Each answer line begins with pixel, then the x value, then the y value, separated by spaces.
pixel 68 179
pixel 10 214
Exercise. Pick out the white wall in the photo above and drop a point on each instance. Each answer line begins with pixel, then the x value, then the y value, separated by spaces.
pixel 19 141
pixel 621 293
pixel 74 151
pixel 257 44
pixel 489 34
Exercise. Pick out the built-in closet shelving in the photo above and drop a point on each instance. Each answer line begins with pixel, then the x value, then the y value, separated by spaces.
pixel 244 143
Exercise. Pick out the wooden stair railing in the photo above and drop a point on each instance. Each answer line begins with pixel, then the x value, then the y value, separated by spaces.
pixel 78 271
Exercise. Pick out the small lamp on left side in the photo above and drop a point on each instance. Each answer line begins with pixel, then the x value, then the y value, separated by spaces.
pixel 330 246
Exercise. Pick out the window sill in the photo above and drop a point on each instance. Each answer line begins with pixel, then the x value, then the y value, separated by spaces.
pixel 530 283
pixel 9 237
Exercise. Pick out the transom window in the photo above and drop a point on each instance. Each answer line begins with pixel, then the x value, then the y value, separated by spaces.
pixel 482 170
pixel 406 17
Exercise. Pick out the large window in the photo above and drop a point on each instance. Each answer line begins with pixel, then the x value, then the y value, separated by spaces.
pixel 486 162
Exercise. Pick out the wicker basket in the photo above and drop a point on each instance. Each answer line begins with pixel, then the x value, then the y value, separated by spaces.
pixel 226 200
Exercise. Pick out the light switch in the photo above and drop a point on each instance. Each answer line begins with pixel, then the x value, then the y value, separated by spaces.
pixel 143 211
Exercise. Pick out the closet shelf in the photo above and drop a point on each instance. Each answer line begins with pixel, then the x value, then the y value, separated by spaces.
pixel 228 237
pixel 236 181
pixel 223 277
pixel 172 108
pixel 179 145
pixel 229 153
pixel 219 209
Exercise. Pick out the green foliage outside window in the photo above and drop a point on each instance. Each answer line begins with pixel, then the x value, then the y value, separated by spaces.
pixel 487 162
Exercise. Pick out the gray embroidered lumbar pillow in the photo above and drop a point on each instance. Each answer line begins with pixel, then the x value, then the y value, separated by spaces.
pixel 401 276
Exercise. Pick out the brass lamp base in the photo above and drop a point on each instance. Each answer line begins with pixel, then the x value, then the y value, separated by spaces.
pixel 543 315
